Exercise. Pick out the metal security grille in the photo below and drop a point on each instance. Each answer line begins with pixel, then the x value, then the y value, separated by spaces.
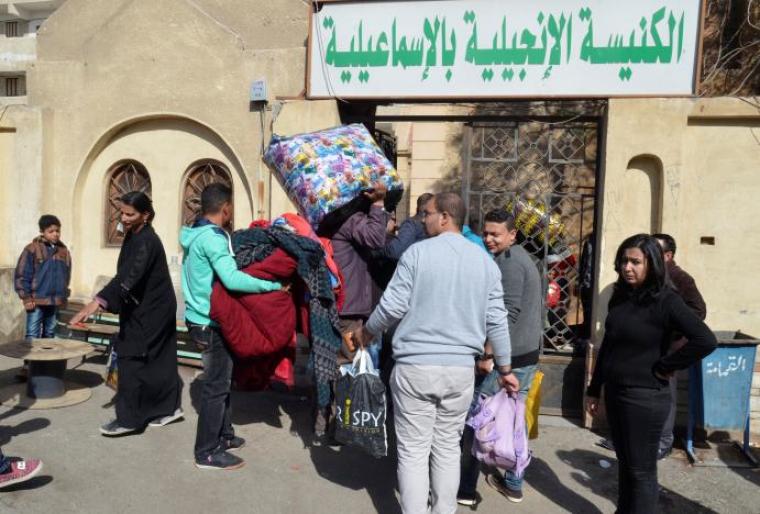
pixel 124 177
pixel 197 178
pixel 12 87
pixel 545 174
pixel 11 29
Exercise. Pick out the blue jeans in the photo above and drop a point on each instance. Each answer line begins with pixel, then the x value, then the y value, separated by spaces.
pixel 374 352
pixel 488 386
pixel 5 464
pixel 41 322
pixel 214 425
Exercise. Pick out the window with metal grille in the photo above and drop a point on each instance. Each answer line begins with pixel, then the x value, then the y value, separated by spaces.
pixel 12 87
pixel 199 175
pixel 123 177
pixel 11 29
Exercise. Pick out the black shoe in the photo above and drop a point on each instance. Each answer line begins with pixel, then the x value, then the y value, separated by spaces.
pixel 220 460
pixel 468 499
pixel 663 453
pixel 113 429
pixel 233 444
pixel 606 444
pixel 497 482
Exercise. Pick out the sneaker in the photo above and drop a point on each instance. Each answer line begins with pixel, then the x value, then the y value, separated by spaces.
pixel 321 422
pixel 607 444
pixel 497 482
pixel 233 444
pixel 171 418
pixel 21 470
pixel 468 499
pixel 663 453
pixel 113 429
pixel 220 460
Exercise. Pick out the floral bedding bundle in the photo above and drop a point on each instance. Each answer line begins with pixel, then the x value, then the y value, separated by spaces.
pixel 325 170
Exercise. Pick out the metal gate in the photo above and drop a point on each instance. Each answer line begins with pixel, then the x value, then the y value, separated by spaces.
pixel 545 174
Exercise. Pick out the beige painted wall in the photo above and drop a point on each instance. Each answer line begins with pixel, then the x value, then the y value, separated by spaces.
pixel 147 142
pixel 103 68
pixel 709 187
pixel 21 180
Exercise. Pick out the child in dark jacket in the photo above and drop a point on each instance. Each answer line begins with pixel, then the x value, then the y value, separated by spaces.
pixel 42 278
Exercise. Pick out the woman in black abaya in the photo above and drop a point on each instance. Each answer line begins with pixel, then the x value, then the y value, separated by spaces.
pixel 149 387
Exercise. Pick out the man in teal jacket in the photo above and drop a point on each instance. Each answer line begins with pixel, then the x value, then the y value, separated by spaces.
pixel 208 254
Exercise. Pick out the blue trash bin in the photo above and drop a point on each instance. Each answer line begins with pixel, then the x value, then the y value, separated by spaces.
pixel 719 390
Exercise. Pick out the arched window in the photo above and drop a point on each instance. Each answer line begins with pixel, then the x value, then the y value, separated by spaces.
pixel 198 176
pixel 123 177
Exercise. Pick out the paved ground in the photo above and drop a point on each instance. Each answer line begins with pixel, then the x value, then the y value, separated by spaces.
pixel 154 473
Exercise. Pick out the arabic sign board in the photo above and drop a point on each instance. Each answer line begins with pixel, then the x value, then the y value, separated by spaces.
pixel 503 48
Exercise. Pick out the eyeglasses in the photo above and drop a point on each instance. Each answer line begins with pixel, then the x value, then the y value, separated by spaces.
pixel 425 214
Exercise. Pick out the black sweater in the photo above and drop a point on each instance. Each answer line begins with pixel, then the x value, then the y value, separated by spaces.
pixel 638 333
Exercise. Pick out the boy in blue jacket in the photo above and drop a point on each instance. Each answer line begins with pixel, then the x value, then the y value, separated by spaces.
pixel 42 278
pixel 208 255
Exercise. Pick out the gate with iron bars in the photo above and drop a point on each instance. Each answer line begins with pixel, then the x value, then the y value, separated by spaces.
pixel 545 174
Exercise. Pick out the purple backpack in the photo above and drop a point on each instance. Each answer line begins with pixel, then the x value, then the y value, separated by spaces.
pixel 500 437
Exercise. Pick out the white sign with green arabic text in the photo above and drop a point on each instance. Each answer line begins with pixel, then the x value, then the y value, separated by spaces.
pixel 503 48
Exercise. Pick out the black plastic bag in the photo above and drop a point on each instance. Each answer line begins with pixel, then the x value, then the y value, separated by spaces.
pixel 361 409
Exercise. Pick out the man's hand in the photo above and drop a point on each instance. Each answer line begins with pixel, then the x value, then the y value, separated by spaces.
pixel 29 305
pixel 592 405
pixel 484 366
pixel 362 338
pixel 509 383
pixel 665 377
pixel 86 311
pixel 377 194
pixel 391 227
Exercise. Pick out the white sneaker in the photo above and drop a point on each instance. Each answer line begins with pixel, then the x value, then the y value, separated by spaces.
pixel 171 418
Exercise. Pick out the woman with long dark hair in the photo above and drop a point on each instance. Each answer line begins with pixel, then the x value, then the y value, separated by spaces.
pixel 634 367
pixel 149 387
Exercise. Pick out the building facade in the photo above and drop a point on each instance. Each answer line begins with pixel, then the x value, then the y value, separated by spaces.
pixel 155 95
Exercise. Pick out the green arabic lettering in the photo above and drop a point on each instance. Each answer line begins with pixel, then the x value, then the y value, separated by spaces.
pixel 569 50
pixel 555 30
pixel 617 51
pixel 357 55
pixel 431 33
pixel 472 43
pixel 535 55
pixel 448 55
pixel 404 54
pixel 587 45
pixel 680 37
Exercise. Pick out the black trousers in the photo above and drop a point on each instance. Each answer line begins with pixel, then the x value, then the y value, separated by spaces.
pixel 666 440
pixel 214 418
pixel 636 417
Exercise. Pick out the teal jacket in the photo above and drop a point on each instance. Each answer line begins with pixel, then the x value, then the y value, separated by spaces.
pixel 208 253
pixel 473 237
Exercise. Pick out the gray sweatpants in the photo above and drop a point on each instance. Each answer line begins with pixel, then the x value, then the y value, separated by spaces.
pixel 430 405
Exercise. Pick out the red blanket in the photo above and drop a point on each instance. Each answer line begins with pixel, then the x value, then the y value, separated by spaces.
pixel 260 328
